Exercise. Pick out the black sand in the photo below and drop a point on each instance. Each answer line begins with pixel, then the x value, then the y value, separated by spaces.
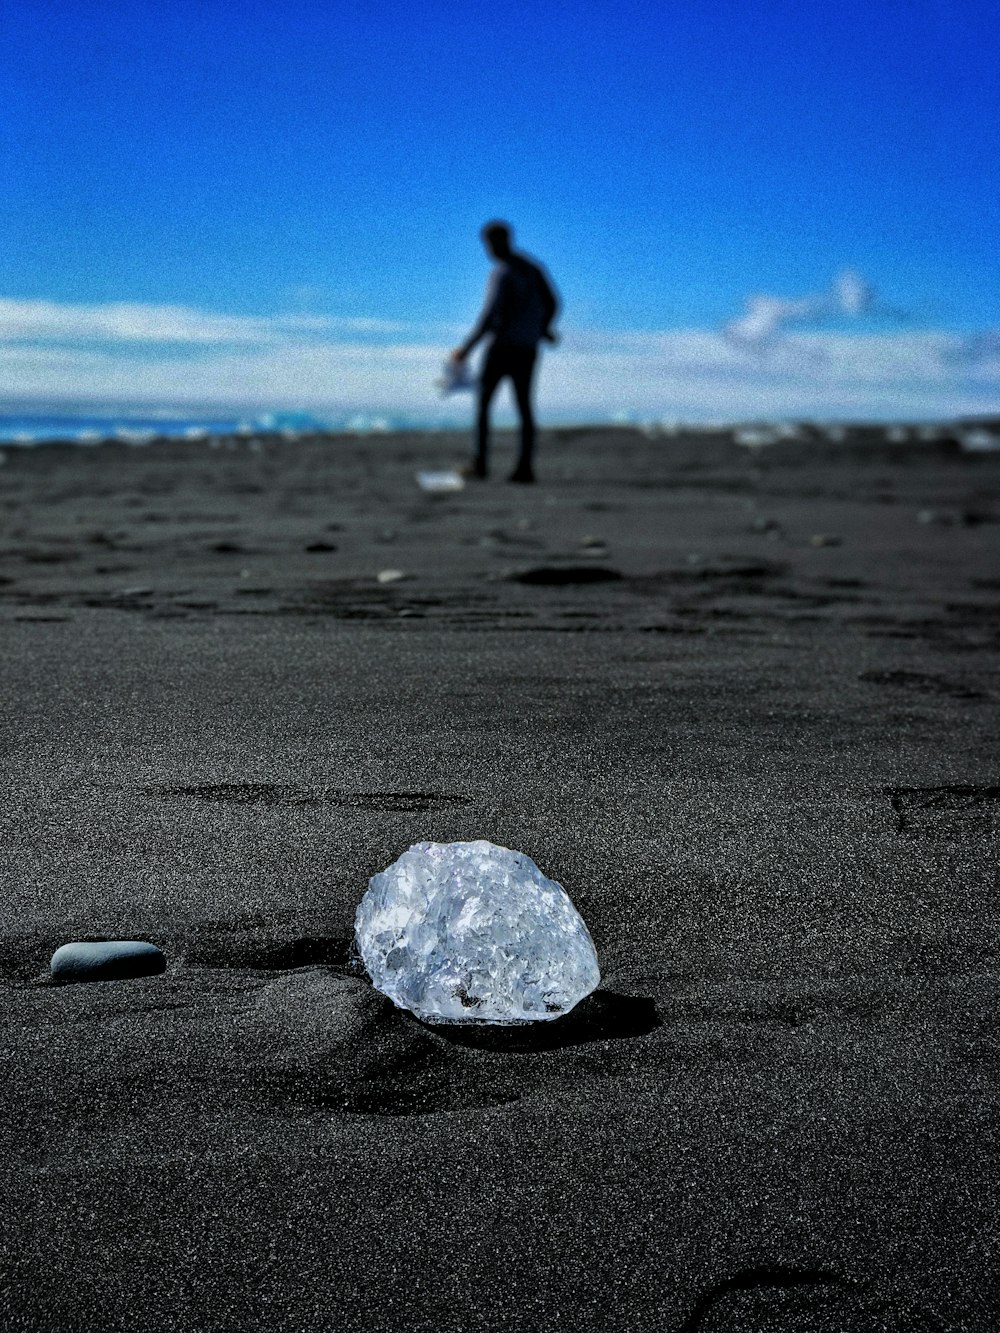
pixel 760 753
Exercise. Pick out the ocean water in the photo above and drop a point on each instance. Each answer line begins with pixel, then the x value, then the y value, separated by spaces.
pixel 26 427
pixel 89 427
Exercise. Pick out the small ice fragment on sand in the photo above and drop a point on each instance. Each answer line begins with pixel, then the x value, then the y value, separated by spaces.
pixel 107 960
pixel 390 575
pixel 466 932
pixel 440 483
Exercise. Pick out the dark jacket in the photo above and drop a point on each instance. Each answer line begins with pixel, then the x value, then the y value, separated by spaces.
pixel 520 303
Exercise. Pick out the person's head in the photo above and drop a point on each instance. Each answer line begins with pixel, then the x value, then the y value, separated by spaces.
pixel 497 238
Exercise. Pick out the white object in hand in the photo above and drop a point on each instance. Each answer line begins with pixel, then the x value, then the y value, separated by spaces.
pixel 469 932
pixel 456 376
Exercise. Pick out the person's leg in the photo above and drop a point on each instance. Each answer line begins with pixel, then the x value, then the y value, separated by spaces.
pixel 523 375
pixel 492 373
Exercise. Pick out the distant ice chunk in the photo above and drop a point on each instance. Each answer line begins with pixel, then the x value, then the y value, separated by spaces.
pixel 978 441
pixel 469 932
pixel 756 437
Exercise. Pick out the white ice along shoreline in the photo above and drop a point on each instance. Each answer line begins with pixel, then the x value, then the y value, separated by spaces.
pixel 469 932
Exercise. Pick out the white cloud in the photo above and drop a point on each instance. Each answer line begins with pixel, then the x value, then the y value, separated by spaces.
pixel 766 318
pixel 977 352
pixel 134 322
pixel 852 293
pixel 696 374
pixel 136 354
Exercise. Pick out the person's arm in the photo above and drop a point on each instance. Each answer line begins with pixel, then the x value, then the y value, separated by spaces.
pixel 491 308
pixel 550 305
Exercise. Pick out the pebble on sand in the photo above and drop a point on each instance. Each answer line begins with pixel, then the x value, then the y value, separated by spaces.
pixel 825 539
pixel 107 960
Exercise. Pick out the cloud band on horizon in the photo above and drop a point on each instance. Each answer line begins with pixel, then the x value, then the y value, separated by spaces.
pixel 764 365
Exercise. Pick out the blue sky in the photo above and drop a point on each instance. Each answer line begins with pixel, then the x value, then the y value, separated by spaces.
pixel 279 204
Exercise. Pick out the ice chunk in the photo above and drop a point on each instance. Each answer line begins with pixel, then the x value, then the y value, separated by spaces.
pixel 469 932
pixel 441 483
pixel 978 441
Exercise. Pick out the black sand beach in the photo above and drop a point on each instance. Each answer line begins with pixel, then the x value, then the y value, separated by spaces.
pixel 741 703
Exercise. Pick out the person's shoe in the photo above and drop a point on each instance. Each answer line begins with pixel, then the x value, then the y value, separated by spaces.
pixel 474 471
pixel 522 474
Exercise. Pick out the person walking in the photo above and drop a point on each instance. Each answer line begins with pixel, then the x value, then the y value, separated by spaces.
pixel 519 309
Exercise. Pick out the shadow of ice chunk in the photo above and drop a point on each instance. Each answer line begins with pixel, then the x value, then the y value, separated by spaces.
pixel 601 1016
pixel 469 932
pixel 558 576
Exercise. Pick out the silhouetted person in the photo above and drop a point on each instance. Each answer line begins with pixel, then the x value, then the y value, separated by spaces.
pixel 520 307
